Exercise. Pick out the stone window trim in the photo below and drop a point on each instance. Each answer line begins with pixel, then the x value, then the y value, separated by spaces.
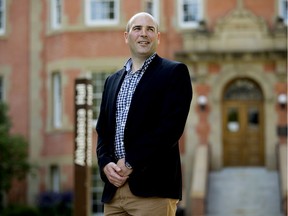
pixel 55 178
pixel 57 99
pixel 109 16
pixel 1 88
pixel 2 17
pixel 187 18
pixel 152 7
pixel 56 14
pixel 98 81
pixel 282 10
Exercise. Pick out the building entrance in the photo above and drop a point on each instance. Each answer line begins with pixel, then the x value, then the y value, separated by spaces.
pixel 243 124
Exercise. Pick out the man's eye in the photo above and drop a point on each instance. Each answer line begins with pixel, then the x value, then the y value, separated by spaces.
pixel 151 29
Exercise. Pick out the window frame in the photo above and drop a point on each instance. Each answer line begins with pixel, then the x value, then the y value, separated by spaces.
pixel 56 13
pixel 101 22
pixel 281 10
pixel 190 24
pixel 57 103
pixel 55 178
pixel 98 87
pixel 155 9
pixel 2 93
pixel 96 191
pixel 3 17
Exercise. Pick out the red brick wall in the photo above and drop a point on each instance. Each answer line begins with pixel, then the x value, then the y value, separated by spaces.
pixel 264 9
pixel 203 126
pixel 218 9
pixel 14 52
pixel 14 48
pixel 281 88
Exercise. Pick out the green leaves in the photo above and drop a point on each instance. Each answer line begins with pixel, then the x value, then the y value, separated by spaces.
pixel 13 152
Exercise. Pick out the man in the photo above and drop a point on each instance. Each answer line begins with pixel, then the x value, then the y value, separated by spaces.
pixel 143 114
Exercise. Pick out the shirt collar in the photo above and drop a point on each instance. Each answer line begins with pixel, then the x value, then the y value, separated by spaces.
pixel 129 63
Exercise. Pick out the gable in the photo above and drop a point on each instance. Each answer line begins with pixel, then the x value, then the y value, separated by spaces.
pixel 239 31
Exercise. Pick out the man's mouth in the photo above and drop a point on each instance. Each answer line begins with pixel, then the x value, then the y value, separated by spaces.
pixel 143 42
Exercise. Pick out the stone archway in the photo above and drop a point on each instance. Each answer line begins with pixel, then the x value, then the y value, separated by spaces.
pixel 265 82
pixel 243 123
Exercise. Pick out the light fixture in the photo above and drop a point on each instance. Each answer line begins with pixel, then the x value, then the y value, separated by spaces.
pixel 202 102
pixel 282 100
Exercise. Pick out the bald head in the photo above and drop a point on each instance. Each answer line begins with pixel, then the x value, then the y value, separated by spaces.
pixel 143 14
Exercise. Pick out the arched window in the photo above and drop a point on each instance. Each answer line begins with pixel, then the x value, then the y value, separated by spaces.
pixel 243 89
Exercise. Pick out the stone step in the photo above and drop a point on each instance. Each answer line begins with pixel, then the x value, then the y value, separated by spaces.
pixel 243 192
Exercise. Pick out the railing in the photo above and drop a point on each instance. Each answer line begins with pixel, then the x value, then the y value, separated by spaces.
pixel 199 185
pixel 282 161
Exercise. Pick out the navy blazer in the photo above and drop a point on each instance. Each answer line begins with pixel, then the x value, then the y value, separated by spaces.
pixel 155 122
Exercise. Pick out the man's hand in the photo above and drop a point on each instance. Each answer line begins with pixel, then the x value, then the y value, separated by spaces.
pixel 124 170
pixel 112 171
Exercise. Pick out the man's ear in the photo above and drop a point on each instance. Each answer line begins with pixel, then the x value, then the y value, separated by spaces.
pixel 126 37
pixel 158 37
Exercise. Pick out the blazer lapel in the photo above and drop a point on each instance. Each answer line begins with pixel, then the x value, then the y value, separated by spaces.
pixel 147 75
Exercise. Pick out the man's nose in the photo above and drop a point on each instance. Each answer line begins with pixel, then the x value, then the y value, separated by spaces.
pixel 143 32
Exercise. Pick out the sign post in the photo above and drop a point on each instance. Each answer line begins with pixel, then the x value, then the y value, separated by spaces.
pixel 83 147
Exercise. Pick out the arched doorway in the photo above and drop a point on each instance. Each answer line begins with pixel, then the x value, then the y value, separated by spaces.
pixel 243 124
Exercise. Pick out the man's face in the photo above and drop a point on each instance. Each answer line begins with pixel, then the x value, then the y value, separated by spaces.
pixel 142 37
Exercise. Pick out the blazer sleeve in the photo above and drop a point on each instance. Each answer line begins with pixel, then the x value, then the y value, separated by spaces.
pixel 102 150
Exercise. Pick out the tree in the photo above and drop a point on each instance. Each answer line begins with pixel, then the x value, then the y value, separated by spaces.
pixel 13 154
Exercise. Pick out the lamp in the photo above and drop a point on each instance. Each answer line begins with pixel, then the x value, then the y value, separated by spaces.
pixel 202 102
pixel 282 100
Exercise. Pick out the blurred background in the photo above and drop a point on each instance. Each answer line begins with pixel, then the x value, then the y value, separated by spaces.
pixel 236 52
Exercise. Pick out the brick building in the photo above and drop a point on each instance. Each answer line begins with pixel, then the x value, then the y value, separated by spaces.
pixel 235 50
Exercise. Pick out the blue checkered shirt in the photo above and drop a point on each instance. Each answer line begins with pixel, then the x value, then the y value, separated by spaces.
pixel 124 98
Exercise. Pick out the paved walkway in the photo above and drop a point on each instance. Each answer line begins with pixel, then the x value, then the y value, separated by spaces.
pixel 243 192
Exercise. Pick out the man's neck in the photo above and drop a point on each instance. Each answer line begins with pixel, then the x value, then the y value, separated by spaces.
pixel 138 61
pixel 137 64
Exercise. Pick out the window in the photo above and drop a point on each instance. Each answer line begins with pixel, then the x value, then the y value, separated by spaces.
pixel 152 7
pixel 233 124
pixel 97 189
pixel 102 12
pixel 57 100
pixel 2 16
pixel 283 10
pixel 1 89
pixel 253 117
pixel 190 13
pixel 243 89
pixel 98 80
pixel 56 14
pixel 55 178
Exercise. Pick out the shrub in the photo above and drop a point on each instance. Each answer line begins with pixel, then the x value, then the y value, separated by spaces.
pixel 20 210
pixel 55 204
